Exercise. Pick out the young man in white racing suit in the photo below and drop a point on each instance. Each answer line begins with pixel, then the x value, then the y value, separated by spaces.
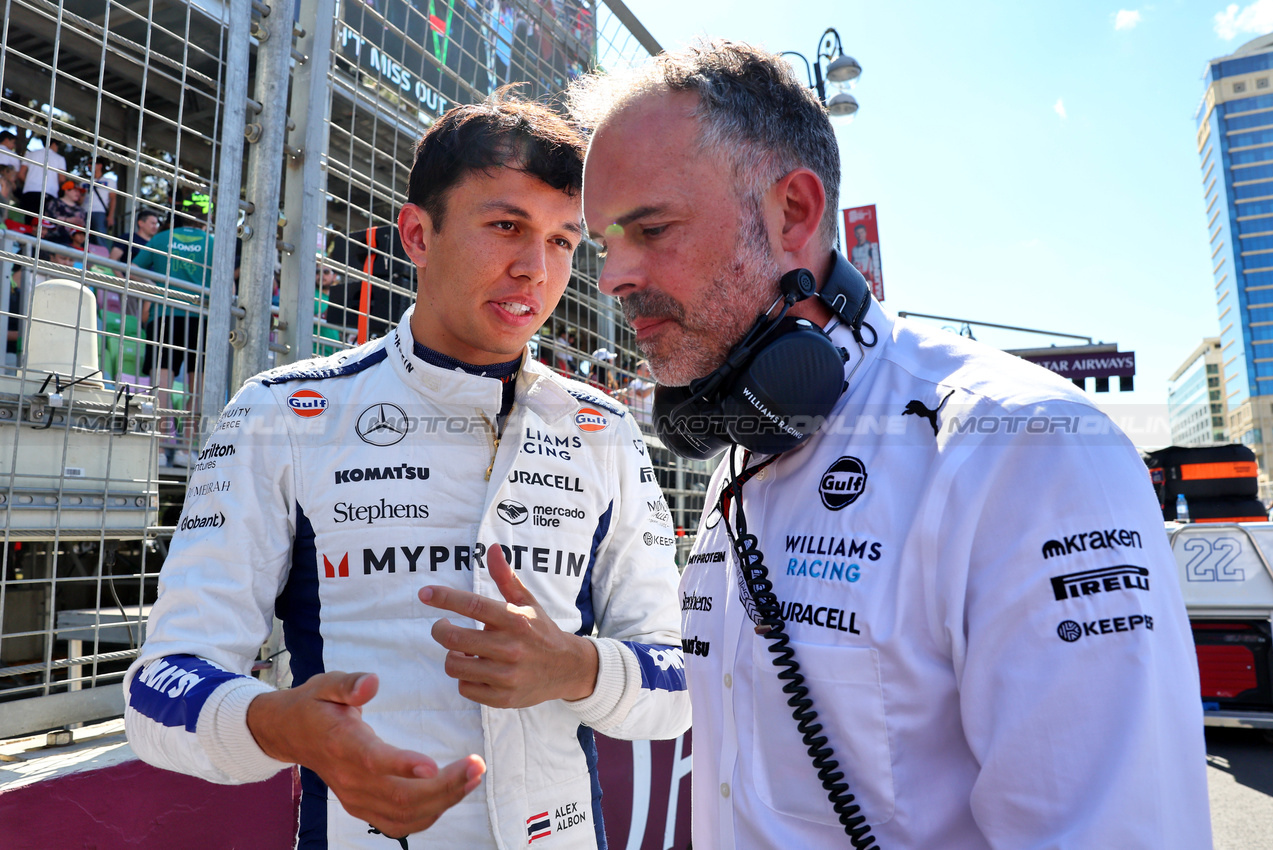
pixel 441 524
pixel 967 558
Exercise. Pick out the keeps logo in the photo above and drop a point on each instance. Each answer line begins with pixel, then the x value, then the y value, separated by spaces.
pixel 842 483
pixel 307 403
pixel 591 419
pixel 513 513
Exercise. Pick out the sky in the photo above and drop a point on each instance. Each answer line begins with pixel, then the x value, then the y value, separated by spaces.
pixel 1033 163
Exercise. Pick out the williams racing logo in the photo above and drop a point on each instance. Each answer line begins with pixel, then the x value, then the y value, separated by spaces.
pixel 382 424
pixel 842 483
pixel 1091 541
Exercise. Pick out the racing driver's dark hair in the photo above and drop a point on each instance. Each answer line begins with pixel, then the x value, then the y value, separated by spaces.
pixel 502 131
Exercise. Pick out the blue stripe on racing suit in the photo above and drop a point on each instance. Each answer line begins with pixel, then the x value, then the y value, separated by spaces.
pixel 173 689
pixel 662 667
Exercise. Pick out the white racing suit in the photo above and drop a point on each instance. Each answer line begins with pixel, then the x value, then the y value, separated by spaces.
pixel 329 493
pixel 971 564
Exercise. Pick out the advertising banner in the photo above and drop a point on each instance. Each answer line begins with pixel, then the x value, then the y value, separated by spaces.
pixel 432 54
pixel 1113 364
pixel 862 234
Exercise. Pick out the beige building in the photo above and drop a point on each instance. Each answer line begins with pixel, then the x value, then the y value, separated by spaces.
pixel 1196 409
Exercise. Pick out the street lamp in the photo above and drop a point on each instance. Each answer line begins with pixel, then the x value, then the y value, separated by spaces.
pixel 842 72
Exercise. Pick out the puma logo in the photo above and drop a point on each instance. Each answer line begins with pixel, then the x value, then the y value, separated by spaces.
pixel 918 408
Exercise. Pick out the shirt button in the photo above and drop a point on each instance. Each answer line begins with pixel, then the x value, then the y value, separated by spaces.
pixel 724 789
pixel 729 681
pixel 760 476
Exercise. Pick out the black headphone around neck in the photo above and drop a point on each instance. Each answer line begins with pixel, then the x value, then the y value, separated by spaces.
pixel 778 384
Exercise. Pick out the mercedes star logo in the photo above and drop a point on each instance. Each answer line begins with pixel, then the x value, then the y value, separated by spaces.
pixel 382 424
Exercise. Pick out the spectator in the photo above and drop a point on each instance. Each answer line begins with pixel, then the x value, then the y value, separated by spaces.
pixel 66 211
pixel 44 168
pixel 7 176
pixel 9 156
pixel 147 225
pixel 639 396
pixel 565 361
pixel 184 255
pixel 325 277
pixel 99 204
pixel 9 150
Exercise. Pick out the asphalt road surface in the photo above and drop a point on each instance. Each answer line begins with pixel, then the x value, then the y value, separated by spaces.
pixel 1240 777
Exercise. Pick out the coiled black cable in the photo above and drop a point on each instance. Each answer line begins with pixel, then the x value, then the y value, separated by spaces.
pixel 772 627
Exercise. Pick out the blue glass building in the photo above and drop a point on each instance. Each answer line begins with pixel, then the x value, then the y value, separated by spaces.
pixel 1235 144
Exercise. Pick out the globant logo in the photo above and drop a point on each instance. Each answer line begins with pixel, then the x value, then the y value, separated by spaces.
pixel 190 523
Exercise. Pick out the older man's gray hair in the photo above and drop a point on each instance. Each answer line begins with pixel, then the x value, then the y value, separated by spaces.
pixel 753 112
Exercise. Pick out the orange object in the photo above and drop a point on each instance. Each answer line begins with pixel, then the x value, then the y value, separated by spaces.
pixel 364 297
pixel 1234 519
pixel 1226 469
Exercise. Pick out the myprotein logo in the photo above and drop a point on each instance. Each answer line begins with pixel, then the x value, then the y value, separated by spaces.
pixel 382 424
pixel 842 483
pixel 1088 541
pixel 431 558
pixel 1070 631
pixel 307 403
pixel 191 523
pixel 1105 580
pixel 591 420
pixel 513 513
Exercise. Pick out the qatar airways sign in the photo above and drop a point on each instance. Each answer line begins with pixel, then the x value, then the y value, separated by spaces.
pixel 1112 364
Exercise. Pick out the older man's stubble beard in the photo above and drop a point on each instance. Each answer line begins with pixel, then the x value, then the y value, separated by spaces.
pixel 705 332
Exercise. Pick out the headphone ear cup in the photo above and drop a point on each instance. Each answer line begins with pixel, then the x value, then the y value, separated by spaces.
pixel 784 395
pixel 688 425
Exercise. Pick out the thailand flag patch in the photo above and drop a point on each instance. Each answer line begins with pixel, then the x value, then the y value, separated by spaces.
pixel 538 826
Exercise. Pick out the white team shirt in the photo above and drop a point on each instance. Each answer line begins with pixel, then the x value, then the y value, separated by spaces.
pixel 985 609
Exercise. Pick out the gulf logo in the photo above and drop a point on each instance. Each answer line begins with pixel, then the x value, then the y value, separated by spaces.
pixel 590 419
pixel 307 403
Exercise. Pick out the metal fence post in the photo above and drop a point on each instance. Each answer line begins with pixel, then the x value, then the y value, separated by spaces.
pixel 264 176
pixel 305 195
pixel 229 186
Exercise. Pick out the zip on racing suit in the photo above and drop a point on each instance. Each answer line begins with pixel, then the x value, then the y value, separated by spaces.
pixel 329 493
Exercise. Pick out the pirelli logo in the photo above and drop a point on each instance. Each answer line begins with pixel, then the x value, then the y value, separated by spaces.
pixel 1088 582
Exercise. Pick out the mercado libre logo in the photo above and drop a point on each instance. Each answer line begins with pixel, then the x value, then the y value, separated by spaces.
pixel 590 419
pixel 307 403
